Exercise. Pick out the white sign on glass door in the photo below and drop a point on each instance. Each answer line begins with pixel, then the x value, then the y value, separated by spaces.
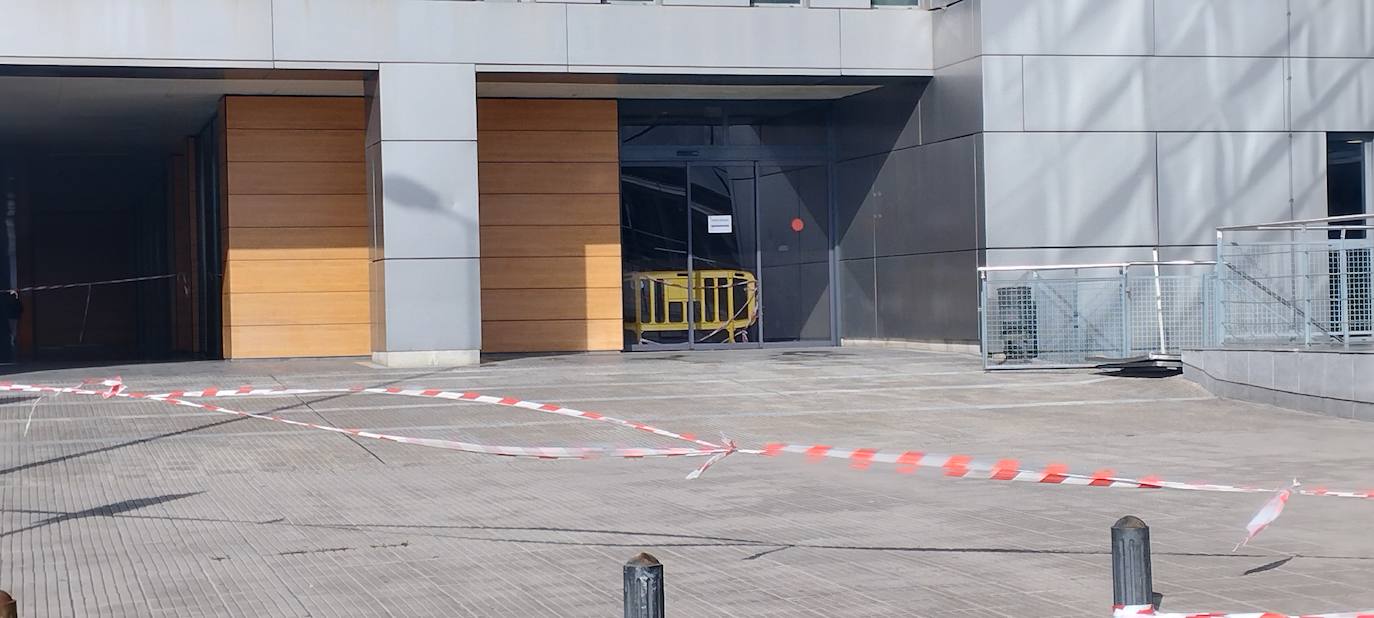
pixel 719 224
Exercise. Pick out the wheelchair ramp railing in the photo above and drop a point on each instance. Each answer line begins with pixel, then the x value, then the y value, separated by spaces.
pixel 1090 315
pixel 1295 282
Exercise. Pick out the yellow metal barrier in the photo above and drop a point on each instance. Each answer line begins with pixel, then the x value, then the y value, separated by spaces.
pixel 726 301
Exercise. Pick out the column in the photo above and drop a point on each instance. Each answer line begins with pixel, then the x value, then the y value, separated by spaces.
pixel 422 187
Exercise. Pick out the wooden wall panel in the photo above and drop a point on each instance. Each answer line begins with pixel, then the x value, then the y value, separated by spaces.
pixel 321 113
pixel 546 115
pixel 296 236
pixel 549 178
pixel 294 145
pixel 552 335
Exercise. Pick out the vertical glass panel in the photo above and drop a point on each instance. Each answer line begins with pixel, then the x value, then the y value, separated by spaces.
pixel 654 245
pixel 794 221
pixel 724 276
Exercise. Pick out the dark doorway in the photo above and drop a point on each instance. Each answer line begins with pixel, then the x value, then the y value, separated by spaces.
pixel 726 224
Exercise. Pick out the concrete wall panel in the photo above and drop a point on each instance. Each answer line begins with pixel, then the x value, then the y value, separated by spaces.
pixel 1332 28
pixel 1216 94
pixel 420 31
pixel 1081 27
pixel 1221 27
pixel 430 195
pixel 1076 93
pixel 432 305
pixel 659 36
pixel 1309 175
pixel 1332 94
pixel 882 39
pixel 858 306
pixel 878 121
pixel 952 104
pixel 1079 93
pixel 1003 93
pixel 1212 179
pixel 1069 189
pixel 428 102
pixel 957 33
pixel 907 308
pixel 221 30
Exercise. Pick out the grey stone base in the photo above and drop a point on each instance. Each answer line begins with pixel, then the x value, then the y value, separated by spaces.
pixel 1329 382
pixel 961 347
pixel 427 358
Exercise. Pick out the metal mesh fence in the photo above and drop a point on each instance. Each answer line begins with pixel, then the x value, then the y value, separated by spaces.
pixel 1307 292
pixel 1088 316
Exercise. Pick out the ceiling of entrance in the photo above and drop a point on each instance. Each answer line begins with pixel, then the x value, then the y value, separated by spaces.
pixel 121 114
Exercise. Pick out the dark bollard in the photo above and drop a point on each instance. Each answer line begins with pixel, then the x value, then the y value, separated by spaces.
pixel 643 587
pixel 8 608
pixel 1132 583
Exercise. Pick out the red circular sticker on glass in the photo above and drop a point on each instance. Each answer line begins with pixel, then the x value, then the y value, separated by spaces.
pixel 797 224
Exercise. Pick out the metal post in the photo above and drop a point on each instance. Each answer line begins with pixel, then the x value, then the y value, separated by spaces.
pixel 1343 263
pixel 1305 277
pixel 983 316
pixel 643 587
pixel 1125 313
pixel 1132 583
pixel 8 608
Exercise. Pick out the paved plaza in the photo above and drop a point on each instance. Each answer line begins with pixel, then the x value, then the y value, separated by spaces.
pixel 129 507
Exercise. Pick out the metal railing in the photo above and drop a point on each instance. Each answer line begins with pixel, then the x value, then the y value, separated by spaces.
pixel 1087 315
pixel 1295 282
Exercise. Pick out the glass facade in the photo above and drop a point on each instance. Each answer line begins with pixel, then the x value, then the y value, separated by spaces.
pixel 725 215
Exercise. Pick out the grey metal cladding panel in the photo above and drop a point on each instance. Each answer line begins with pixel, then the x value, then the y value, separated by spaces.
pixel 1309 175
pixel 1066 255
pixel 428 101
pixel 200 29
pixel 878 121
pixel 1003 93
pixel 952 105
pixel 1221 27
pixel 1332 94
pixel 856 205
pixel 433 304
pixel 957 33
pixel 430 199
pixel 1332 28
pixel 886 39
pixel 1069 189
pixel 1217 94
pixel 1065 93
pixel 647 35
pixel 420 31
pixel 1211 179
pixel 928 297
pixel 858 307
pixel 927 199
pixel 1074 27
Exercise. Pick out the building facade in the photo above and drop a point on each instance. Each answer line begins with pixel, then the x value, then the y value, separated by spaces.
pixel 426 180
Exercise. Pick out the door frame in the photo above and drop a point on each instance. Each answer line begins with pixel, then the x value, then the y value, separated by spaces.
pixel 755 157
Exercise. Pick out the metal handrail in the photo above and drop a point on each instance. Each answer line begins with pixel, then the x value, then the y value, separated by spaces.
pixel 988 269
pixel 1300 224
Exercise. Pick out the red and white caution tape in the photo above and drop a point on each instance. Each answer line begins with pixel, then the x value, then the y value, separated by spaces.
pixel 1133 611
pixel 1267 514
pixel 965 466
pixel 548 408
pixel 535 452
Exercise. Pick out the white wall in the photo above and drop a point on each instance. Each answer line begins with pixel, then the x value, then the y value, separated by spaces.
pixel 493 35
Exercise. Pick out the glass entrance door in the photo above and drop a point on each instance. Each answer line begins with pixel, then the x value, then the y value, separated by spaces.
pixel 725 255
